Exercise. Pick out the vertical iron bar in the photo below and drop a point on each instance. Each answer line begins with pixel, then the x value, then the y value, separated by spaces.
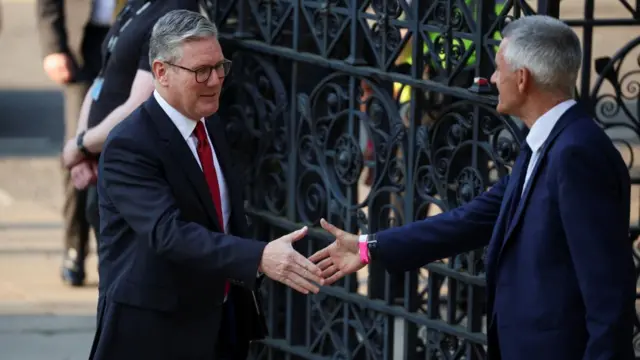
pixel 587 51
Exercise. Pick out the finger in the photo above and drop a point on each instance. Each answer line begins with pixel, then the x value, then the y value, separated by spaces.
pixel 76 184
pixel 84 177
pixel 319 255
pixel 296 235
pixel 314 274
pixel 63 73
pixel 76 177
pixel 330 228
pixel 79 180
pixel 324 264
pixel 61 76
pixel 335 277
pixel 328 272
pixel 304 284
pixel 295 286
pixel 79 185
pixel 89 174
pixel 308 276
pixel 69 161
pixel 307 267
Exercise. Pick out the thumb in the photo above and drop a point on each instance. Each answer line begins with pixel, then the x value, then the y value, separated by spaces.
pixel 297 235
pixel 330 228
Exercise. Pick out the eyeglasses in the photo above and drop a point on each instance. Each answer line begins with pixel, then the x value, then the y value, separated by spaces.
pixel 204 73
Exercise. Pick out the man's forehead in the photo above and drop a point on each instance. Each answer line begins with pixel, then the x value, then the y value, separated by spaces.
pixel 503 44
pixel 203 49
pixel 209 43
pixel 500 51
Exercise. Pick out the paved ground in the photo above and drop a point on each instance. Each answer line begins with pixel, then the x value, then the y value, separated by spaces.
pixel 39 318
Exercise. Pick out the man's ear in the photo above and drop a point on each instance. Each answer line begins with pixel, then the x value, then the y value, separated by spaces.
pixel 524 79
pixel 159 70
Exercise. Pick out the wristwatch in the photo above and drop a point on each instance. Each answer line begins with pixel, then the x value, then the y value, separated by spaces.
pixel 80 144
pixel 368 247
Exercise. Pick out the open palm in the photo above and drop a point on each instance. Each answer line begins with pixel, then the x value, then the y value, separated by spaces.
pixel 339 259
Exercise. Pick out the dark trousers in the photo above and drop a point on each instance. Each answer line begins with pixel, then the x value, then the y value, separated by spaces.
pixel 92 214
pixel 76 226
pixel 227 342
pixel 76 230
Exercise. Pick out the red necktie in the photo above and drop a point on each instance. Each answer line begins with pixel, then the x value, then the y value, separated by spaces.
pixel 208 168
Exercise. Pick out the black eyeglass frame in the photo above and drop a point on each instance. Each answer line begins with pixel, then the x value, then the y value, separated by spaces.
pixel 225 65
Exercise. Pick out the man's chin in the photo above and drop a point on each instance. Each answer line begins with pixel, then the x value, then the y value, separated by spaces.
pixel 500 108
pixel 209 108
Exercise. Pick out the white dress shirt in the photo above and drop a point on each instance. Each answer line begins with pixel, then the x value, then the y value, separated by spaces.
pixel 102 12
pixel 186 127
pixel 540 132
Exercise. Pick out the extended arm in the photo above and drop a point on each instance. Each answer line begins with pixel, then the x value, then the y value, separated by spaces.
pixel 83 120
pixel 462 229
pixel 594 207
pixel 135 185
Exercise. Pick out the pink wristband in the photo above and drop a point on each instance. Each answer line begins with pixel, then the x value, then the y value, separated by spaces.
pixel 364 250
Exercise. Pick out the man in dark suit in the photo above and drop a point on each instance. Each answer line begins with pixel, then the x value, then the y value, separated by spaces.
pixel 178 271
pixel 560 274
pixel 71 33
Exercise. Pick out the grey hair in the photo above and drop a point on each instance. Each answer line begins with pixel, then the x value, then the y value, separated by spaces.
pixel 548 48
pixel 174 29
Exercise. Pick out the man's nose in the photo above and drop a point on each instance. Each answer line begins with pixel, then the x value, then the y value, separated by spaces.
pixel 214 79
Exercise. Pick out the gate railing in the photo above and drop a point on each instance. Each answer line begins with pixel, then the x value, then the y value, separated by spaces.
pixel 363 112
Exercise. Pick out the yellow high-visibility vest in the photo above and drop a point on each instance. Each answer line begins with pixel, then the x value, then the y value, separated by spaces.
pixel 119 5
pixel 405 96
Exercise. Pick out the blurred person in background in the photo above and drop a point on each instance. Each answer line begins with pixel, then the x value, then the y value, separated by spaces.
pixel 70 35
pixel 124 83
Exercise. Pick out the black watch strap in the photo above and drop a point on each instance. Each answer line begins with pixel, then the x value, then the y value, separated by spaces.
pixel 372 246
pixel 80 144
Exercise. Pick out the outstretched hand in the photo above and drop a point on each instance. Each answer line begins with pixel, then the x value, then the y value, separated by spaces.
pixel 282 263
pixel 339 259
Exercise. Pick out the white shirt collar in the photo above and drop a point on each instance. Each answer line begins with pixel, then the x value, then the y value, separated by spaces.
pixel 184 124
pixel 542 127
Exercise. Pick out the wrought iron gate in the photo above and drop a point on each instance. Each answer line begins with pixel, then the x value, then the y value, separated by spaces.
pixel 361 111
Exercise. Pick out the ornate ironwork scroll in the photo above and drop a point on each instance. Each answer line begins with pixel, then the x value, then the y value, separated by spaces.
pixel 360 112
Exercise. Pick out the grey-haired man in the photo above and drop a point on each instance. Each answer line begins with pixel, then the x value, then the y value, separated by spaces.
pixel 178 272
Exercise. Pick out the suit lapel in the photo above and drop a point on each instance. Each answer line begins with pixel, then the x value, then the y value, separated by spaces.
pixel 498 234
pixel 515 218
pixel 178 148
pixel 564 120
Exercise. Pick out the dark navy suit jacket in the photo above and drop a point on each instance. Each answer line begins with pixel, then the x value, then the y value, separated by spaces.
pixel 560 274
pixel 163 260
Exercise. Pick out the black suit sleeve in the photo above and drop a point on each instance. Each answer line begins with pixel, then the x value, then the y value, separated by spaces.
pixel 51 26
pixel 136 187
